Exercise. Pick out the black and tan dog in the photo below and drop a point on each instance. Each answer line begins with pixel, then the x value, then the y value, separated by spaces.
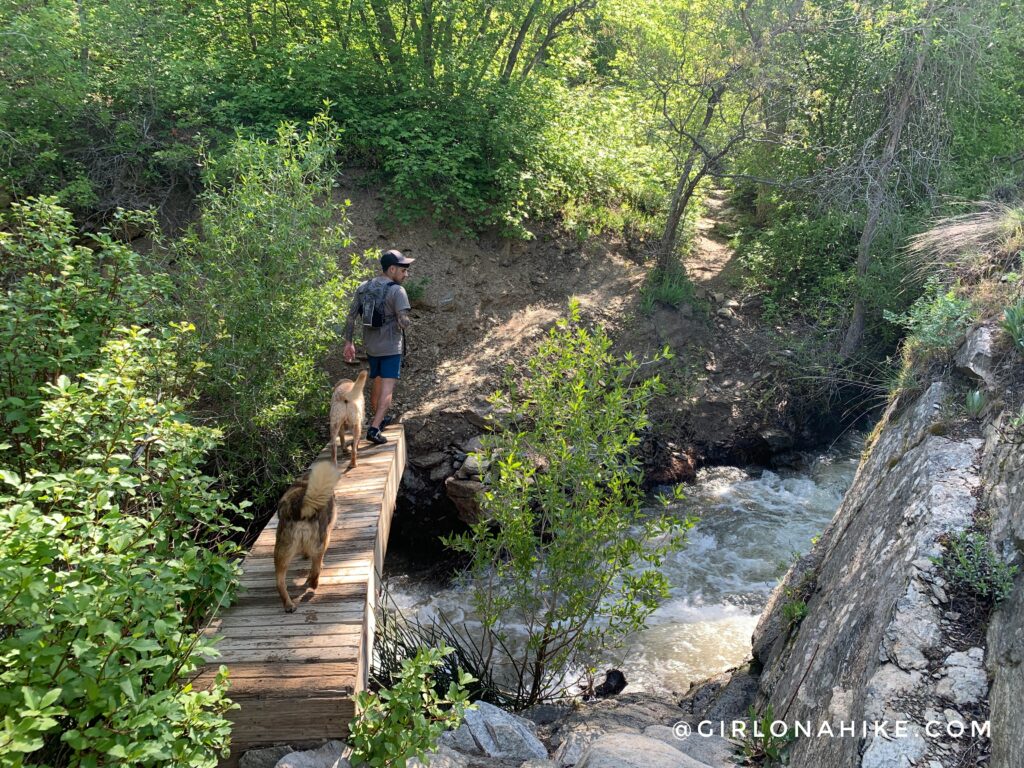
pixel 306 516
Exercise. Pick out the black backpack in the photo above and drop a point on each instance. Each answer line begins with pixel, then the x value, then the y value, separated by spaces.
pixel 372 299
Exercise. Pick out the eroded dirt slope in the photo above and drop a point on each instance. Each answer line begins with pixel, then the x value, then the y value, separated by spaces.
pixel 487 301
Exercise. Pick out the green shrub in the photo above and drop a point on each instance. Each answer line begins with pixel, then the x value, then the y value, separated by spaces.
pixel 565 546
pixel 1013 324
pixel 261 280
pixel 975 403
pixel 109 558
pixel 406 720
pixel 972 566
pixel 60 301
pixel 760 746
pixel 673 288
pixel 802 265
pixel 794 609
pixel 416 288
pixel 935 323
pixel 111 536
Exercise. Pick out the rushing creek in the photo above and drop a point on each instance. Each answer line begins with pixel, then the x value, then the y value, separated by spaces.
pixel 752 524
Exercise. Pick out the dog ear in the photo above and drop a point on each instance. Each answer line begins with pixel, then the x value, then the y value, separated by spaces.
pixel 290 505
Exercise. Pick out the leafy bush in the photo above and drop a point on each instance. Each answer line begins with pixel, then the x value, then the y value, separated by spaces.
pixel 109 560
pixel 972 566
pixel 61 300
pixel 260 278
pixel 1013 324
pixel 565 547
pixel 935 323
pixel 672 288
pixel 802 265
pixel 406 720
pixel 111 536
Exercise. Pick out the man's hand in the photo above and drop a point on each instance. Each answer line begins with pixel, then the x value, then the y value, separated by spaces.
pixel 350 352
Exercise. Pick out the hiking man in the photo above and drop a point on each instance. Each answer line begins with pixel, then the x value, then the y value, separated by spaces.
pixel 383 306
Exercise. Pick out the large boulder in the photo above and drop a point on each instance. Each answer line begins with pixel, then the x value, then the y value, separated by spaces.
pixel 442 757
pixel 1004 498
pixel 872 622
pixel 268 757
pixel 491 731
pixel 327 756
pixel 628 750
pixel 975 358
pixel 711 750
pixel 465 495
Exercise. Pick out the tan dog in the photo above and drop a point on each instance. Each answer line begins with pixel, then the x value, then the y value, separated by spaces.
pixel 306 516
pixel 347 411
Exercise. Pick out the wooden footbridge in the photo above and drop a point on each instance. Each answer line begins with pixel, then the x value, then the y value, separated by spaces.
pixel 295 675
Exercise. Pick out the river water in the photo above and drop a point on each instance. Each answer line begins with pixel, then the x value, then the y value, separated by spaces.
pixel 752 524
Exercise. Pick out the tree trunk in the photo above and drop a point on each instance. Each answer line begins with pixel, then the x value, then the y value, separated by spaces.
pixel 83 52
pixel 680 200
pixel 877 195
pixel 389 40
pixel 685 186
pixel 427 41
pixel 517 44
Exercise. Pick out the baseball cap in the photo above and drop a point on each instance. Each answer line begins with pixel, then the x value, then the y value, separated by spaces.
pixel 394 258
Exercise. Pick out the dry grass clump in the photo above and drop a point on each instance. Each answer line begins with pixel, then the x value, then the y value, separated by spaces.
pixel 971 247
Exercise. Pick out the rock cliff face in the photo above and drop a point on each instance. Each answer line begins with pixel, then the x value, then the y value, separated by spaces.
pixel 881 637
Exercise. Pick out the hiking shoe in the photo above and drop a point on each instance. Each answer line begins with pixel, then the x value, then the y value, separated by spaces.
pixel 374 436
pixel 387 421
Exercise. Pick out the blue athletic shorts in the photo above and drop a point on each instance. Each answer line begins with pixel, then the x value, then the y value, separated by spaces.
pixel 387 367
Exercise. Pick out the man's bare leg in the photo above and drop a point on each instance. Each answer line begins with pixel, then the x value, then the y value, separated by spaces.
pixel 375 394
pixel 382 400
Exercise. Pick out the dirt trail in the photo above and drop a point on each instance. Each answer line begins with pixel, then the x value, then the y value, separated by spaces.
pixel 709 260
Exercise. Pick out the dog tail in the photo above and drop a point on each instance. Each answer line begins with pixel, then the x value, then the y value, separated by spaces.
pixel 360 382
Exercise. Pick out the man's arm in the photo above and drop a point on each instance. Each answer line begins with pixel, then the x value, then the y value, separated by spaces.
pixel 349 354
pixel 402 308
pixel 350 321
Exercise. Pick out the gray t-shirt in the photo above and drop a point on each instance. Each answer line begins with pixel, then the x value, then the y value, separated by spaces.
pixel 386 340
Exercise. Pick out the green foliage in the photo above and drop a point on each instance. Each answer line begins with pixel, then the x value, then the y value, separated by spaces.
pixel 61 299
pixel 794 609
pixel 803 266
pixel 1013 324
pixel 406 720
pixel 973 567
pixel 109 559
pixel 760 745
pixel 975 402
pixel 260 278
pixel 565 547
pixel 672 288
pixel 112 538
pixel 935 323
pixel 416 288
